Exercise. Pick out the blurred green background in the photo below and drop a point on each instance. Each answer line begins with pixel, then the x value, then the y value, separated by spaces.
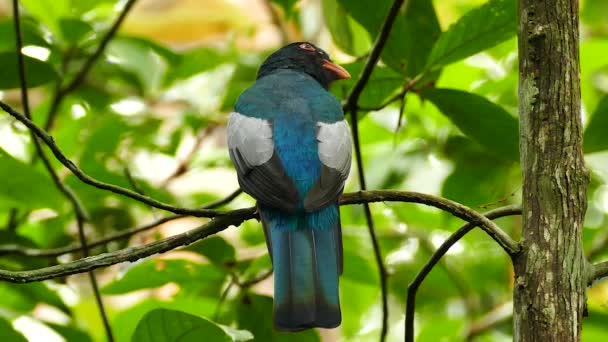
pixel 156 103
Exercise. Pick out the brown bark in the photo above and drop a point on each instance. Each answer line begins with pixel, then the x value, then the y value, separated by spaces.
pixel 550 275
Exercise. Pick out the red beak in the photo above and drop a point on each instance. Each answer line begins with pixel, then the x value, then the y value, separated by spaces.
pixel 339 71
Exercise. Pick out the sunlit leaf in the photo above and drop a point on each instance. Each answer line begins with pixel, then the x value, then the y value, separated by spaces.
pixel 49 12
pixel 479 29
pixel 164 325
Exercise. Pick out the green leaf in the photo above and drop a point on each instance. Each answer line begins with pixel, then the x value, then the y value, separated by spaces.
pixel 125 321
pixel 157 272
pixel 479 29
pixel 30 30
pixel 37 71
pixel 412 36
pixel 164 325
pixel 75 30
pixel 345 31
pixel 481 120
pixel 216 249
pixel 8 333
pixel 595 133
pixel 71 333
pixel 144 60
pixel 25 186
pixel 48 12
pixel 196 61
pixel 473 180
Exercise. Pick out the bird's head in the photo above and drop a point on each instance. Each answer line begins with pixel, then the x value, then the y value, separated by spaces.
pixel 307 58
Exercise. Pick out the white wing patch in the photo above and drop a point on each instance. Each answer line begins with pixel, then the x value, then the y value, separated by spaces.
pixel 335 145
pixel 252 137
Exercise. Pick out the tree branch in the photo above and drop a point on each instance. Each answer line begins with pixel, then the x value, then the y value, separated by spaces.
pixel 599 271
pixel 88 64
pixel 129 254
pixel 351 106
pixel 454 208
pixel 48 139
pixel 123 234
pixel 508 245
pixel 234 217
pixel 79 209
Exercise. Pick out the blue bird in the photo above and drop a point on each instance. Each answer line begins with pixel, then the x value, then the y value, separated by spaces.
pixel 291 148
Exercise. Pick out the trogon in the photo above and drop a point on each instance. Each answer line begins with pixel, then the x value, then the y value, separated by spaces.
pixel 291 148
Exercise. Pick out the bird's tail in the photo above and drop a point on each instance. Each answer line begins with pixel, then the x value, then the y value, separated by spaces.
pixel 306 252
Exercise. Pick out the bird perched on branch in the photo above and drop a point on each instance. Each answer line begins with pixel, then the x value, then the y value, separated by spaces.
pixel 291 148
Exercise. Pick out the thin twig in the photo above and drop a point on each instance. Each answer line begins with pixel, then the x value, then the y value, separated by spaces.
pixel 88 64
pixel 63 159
pixel 351 106
pixel 599 271
pixel 79 210
pixel 253 281
pixel 440 252
pixel 236 217
pixel 184 164
pixel 122 234
pixel 223 297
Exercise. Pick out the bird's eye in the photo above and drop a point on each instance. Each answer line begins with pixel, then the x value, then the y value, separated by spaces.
pixel 307 47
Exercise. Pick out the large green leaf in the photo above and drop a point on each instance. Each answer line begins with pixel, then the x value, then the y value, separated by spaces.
pixel 24 186
pixel 164 325
pixel 595 138
pixel 346 32
pixel 30 30
pixel 481 120
pixel 8 333
pixel 412 36
pixel 479 29
pixel 37 71
pixel 157 272
pixel 196 61
pixel 48 12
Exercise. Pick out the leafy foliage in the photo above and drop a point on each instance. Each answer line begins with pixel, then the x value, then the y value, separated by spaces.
pixel 155 103
pixel 174 326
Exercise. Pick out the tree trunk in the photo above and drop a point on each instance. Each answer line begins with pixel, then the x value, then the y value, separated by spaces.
pixel 550 283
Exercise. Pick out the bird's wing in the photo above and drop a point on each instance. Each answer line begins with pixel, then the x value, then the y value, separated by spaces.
pixel 259 169
pixel 335 150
